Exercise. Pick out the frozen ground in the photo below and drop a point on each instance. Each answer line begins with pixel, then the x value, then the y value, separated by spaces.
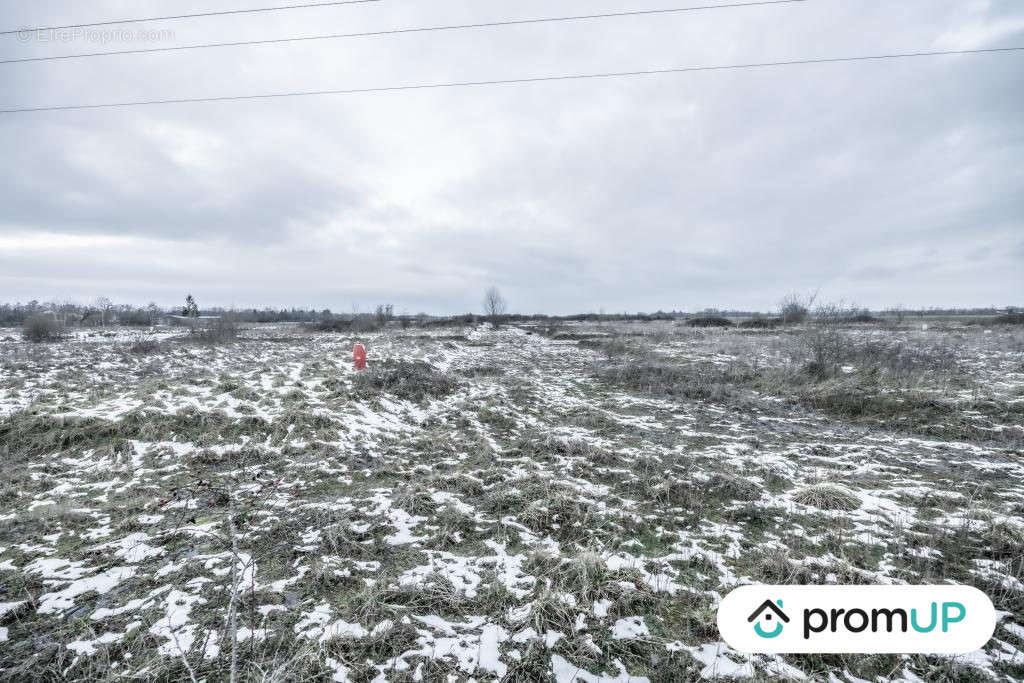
pixel 566 505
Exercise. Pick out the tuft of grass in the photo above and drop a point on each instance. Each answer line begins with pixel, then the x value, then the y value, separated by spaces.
pixel 382 645
pixel 552 612
pixel 1005 540
pixel 827 497
pixel 482 370
pixel 585 576
pixel 693 380
pixel 733 487
pixel 563 514
pixel 144 347
pixel 533 666
pixel 610 347
pixel 409 380
pixel 436 595
pixel 27 433
pixel 914 411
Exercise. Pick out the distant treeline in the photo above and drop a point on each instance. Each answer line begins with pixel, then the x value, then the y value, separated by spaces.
pixel 108 313
pixel 104 312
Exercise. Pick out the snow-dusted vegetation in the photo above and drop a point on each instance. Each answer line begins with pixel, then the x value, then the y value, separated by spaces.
pixel 521 504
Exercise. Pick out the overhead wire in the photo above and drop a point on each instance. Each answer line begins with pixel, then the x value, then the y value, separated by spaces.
pixel 217 13
pixel 400 31
pixel 510 81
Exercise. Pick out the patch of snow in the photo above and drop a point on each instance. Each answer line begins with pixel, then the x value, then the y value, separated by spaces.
pixel 630 628
pixel 101 583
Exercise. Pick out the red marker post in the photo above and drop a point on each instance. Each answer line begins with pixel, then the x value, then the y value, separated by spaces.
pixel 359 356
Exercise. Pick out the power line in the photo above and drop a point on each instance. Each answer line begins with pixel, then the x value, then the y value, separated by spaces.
pixel 219 13
pixel 508 81
pixel 400 31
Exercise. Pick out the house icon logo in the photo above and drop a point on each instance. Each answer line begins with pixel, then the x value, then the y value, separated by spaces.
pixel 765 615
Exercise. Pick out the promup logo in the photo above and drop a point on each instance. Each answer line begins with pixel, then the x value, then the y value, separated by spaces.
pixel 766 613
pixel 864 619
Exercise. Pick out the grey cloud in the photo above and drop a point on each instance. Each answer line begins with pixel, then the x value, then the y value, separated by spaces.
pixel 874 181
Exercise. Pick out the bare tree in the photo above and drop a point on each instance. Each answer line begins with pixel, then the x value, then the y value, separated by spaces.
pixel 67 308
pixel 494 304
pixel 384 314
pixel 104 305
pixel 154 312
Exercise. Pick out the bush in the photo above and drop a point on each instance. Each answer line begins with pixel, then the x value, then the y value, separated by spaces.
pixel 363 322
pixel 609 347
pixel 223 329
pixel 452 321
pixel 794 308
pixel 710 321
pixel 41 328
pixel 732 487
pixel 136 318
pixel 827 348
pixel 761 323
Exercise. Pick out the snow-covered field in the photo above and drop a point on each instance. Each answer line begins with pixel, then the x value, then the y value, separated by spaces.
pixel 494 504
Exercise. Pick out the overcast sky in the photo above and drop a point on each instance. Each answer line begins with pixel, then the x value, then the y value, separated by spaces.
pixel 876 182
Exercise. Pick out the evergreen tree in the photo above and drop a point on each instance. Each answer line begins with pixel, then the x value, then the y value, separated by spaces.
pixel 190 309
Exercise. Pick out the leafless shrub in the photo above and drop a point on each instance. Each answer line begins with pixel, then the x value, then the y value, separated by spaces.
pixel 144 347
pixel 826 347
pixel 41 328
pixel 611 347
pixel 795 307
pixel 362 322
pixel 551 328
pixel 824 342
pixel 836 313
pixel 1009 319
pixel 222 330
pixel 829 343
pixel 692 380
